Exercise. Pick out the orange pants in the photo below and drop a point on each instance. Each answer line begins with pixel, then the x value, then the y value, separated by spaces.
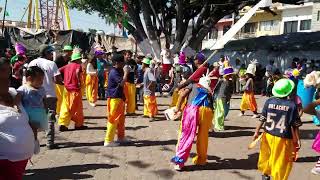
pixel 92 88
pixel 116 119
pixel 71 109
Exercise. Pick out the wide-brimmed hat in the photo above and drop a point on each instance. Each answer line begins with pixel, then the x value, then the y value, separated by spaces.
pixel 99 52
pixel 228 71
pixel 146 61
pixel 67 48
pixel 283 88
pixel 76 56
pixel 182 58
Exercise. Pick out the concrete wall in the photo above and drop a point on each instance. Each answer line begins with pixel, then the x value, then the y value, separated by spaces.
pixel 296 14
pixel 282 59
pixel 315 23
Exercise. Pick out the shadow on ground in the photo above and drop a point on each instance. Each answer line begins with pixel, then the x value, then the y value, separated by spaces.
pixel 95 117
pixel 66 172
pixel 76 144
pixel 228 134
pixel 220 164
pixel 136 128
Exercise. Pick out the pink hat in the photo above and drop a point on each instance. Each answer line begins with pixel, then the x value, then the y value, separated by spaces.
pixel 182 58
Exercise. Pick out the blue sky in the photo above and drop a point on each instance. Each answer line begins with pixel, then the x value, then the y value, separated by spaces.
pixel 79 20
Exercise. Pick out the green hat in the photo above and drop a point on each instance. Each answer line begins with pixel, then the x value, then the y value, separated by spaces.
pixel 146 61
pixel 283 88
pixel 67 48
pixel 75 56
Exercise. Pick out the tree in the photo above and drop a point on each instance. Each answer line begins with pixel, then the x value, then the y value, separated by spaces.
pixel 147 20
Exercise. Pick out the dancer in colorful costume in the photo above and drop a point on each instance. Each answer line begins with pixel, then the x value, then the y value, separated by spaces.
pixel 92 82
pixel 223 93
pixel 280 140
pixel 196 117
pixel 72 108
pixel 248 101
pixel 150 108
pixel 115 103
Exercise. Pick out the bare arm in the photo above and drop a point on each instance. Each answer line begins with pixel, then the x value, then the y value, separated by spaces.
pixel 58 79
pixel 182 96
pixel 310 109
pixel 256 134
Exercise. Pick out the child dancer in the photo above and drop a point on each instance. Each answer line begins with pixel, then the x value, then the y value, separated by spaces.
pixel 33 94
pixel 72 108
pixel 281 123
pixel 248 101
pixel 223 92
pixel 92 82
pixel 196 117
pixel 115 103
pixel 150 108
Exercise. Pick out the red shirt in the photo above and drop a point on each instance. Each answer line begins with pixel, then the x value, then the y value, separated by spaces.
pixel 195 77
pixel 71 78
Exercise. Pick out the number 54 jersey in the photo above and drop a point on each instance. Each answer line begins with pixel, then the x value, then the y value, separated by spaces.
pixel 279 115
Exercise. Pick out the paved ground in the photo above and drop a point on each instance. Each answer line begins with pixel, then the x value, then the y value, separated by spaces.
pixel 81 154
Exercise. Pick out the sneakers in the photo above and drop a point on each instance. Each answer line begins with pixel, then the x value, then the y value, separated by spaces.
pixel 110 144
pixel 265 177
pixel 315 171
pixel 255 116
pixel 93 104
pixel 81 127
pixel 36 147
pixel 63 128
pixel 122 141
pixel 178 167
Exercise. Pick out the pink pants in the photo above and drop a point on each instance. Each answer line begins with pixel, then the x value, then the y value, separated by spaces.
pixel 12 170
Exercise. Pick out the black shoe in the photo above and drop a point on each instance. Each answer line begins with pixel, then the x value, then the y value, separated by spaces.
pixel 81 127
pixel 265 177
pixel 63 128
pixel 52 146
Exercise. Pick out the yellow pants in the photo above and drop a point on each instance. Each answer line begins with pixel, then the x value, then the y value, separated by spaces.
pixel 175 98
pixel 71 109
pixel 202 124
pixel 116 119
pixel 59 93
pixel 276 159
pixel 83 83
pixel 92 88
pixel 150 107
pixel 130 94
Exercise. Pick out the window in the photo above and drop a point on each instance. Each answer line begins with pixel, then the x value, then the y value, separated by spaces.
pixel 305 25
pixel 249 28
pixel 226 28
pixel 266 25
pixel 290 26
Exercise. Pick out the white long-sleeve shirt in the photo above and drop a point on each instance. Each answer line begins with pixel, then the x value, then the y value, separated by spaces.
pixel 90 70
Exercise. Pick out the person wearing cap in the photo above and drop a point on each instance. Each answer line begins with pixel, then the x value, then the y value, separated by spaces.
pixel 280 140
pixel 62 60
pixel 248 101
pixel 115 103
pixel 181 72
pixel 72 108
pixel 195 122
pixel 223 92
pixel 150 108
pixel 130 70
pixel 201 70
pixel 52 77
